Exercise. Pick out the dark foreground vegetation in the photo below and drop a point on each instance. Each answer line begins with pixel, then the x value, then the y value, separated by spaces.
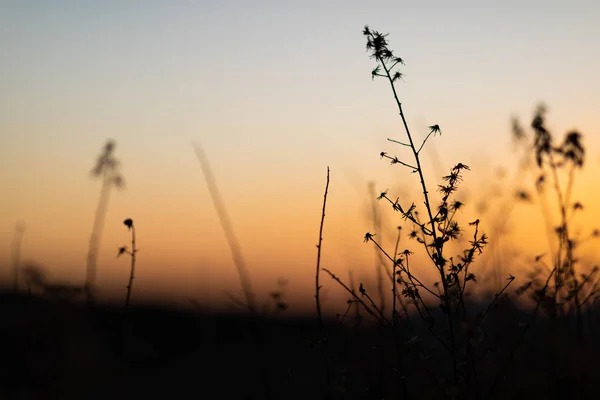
pixel 55 349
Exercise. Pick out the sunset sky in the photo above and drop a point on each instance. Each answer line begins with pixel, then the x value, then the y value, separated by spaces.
pixel 274 91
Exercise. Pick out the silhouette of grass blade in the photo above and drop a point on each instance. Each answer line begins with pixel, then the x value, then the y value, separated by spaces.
pixel 227 226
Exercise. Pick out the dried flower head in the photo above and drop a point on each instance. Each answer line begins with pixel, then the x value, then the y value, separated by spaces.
pixel 128 223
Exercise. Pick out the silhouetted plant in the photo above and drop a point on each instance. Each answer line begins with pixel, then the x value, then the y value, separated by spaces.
pixel 322 338
pixel 107 169
pixel 319 248
pixel 433 232
pixel 123 250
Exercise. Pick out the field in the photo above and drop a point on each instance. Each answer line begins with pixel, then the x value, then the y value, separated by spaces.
pixel 57 349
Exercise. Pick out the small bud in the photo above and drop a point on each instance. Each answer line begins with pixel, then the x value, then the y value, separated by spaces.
pixel 122 250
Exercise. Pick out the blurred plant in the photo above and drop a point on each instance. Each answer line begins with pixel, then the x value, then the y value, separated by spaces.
pixel 107 169
pixel 37 282
pixel 16 253
pixel 278 297
pixel 227 226
pixel 357 314
pixel 565 290
pixel 123 250
pixel 34 277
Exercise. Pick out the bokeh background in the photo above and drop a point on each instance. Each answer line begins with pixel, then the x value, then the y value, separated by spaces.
pixel 274 91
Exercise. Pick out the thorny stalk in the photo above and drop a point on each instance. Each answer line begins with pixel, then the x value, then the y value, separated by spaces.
pixel 318 286
pixel 319 248
pixel 132 254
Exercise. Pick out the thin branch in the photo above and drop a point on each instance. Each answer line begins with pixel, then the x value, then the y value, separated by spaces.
pixel 356 297
pixel 132 270
pixel 404 270
pixel 496 297
pixel 395 141
pixel 423 144
pixel 380 261
pixel 350 302
pixel 395 160
pixel 395 261
pixel 319 247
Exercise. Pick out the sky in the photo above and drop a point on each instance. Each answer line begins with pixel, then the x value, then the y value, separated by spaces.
pixel 274 91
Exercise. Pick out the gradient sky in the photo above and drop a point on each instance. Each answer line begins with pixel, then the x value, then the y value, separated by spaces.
pixel 274 91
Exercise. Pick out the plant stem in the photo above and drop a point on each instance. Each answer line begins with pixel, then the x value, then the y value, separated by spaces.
pixel 132 271
pixel 446 297
pixel 379 262
pixel 394 294
pixel 357 314
pixel 97 227
pixel 16 253
pixel 355 296
pixel 318 288
pixel 319 247
pixel 228 229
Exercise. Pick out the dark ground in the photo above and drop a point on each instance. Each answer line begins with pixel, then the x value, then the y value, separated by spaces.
pixel 51 349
